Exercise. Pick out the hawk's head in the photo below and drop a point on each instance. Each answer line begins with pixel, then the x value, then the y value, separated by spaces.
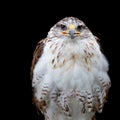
pixel 69 28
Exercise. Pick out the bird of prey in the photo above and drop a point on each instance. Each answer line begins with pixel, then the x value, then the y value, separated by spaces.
pixel 69 73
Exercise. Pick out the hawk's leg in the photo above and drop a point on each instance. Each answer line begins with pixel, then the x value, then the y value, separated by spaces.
pixel 62 101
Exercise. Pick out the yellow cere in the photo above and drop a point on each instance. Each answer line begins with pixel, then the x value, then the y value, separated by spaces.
pixel 71 26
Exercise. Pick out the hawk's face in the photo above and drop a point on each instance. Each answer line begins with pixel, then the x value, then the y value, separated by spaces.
pixel 69 28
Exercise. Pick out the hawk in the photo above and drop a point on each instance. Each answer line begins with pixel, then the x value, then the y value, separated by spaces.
pixel 69 73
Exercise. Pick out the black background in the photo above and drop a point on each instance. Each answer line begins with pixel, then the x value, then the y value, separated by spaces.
pixel 32 24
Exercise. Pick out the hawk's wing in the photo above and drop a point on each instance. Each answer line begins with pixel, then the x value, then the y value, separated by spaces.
pixel 37 53
pixel 106 83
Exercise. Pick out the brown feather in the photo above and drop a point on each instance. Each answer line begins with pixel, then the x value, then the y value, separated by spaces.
pixel 37 54
pixel 94 117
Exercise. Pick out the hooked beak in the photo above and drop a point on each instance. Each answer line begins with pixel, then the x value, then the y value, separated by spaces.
pixel 72 33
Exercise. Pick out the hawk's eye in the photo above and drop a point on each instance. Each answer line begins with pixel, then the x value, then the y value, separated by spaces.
pixel 62 26
pixel 79 27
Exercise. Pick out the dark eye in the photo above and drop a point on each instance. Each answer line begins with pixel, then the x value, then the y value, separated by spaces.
pixel 62 26
pixel 79 27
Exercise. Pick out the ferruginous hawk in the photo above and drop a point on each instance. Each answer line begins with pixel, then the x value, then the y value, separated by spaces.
pixel 69 73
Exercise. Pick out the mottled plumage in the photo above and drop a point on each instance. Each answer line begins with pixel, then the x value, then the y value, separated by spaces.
pixel 69 73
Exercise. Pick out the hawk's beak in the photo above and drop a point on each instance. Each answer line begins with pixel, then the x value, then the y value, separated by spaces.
pixel 72 31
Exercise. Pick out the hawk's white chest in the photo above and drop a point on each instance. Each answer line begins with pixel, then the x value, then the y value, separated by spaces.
pixel 70 65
